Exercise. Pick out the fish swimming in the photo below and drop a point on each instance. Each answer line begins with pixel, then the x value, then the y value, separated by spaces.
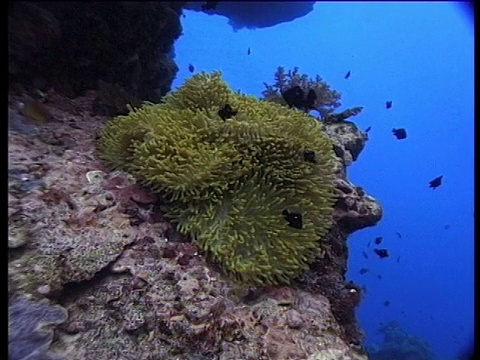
pixel 378 240
pixel 295 97
pixel 347 75
pixel 388 104
pixel 249 51
pixel 399 133
pixel 294 219
pixel 35 112
pixel 311 97
pixel 364 254
pixel 382 253
pixel 386 303
pixel 309 156
pixel 368 129
pixel 191 68
pixel 363 271
pixel 436 182
pixel 227 112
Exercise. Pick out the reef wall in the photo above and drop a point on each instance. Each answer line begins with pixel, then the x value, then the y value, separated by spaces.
pixel 94 241
pixel 72 46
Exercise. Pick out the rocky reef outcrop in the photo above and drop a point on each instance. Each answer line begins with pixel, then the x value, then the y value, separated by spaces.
pixel 95 242
pixel 254 14
pixel 122 48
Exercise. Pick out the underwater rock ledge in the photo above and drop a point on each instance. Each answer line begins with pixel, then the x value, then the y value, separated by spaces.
pixel 255 14
pixel 93 241
pixel 78 46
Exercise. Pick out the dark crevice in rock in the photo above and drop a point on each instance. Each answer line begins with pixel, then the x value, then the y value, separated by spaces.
pixel 327 277
pixel 73 290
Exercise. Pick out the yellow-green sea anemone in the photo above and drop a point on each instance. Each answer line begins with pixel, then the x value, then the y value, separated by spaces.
pixel 230 182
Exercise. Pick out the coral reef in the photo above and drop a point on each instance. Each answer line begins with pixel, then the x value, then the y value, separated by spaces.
pixel 228 182
pixel 96 242
pixel 28 334
pixel 74 236
pixel 399 345
pixel 76 44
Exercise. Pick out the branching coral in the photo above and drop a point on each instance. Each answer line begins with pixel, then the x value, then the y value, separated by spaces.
pixel 326 102
pixel 227 182
pixel 327 98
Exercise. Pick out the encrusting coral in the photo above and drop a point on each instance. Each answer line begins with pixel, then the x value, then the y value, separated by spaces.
pixel 254 189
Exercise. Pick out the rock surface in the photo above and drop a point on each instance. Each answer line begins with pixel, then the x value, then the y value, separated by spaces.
pixel 122 48
pixel 256 14
pixel 94 242
pixel 30 332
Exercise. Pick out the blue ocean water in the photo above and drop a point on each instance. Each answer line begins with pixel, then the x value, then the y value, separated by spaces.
pixel 420 56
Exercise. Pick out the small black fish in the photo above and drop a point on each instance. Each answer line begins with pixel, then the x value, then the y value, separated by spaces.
pixel 446 227
pixel 310 101
pixel 379 277
pixel 347 75
pixel 364 254
pixel 294 97
pixel 436 182
pixel 249 51
pixel 363 271
pixel 191 68
pixel 294 219
pixel 378 240
pixel 209 5
pixel 368 245
pixel 309 156
pixel 400 133
pixel 227 112
pixel 368 129
pixel 399 235
pixel 388 104
pixel 382 253
pixel 398 259
pixel 386 303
